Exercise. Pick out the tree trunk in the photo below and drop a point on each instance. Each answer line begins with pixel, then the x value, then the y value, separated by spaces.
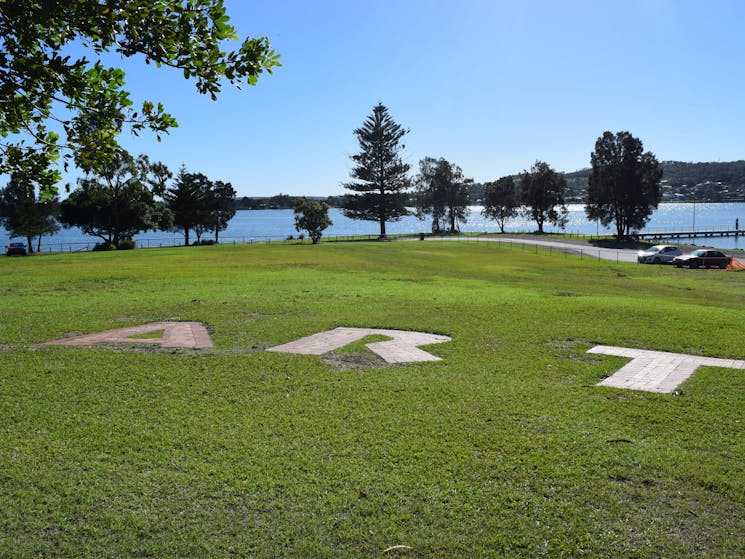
pixel 382 228
pixel 186 236
pixel 30 242
pixel 38 245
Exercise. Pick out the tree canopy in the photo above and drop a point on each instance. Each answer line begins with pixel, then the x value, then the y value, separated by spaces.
pixel 442 192
pixel 25 213
pixel 119 202
pixel 381 175
pixel 187 199
pixel 222 206
pixel 312 216
pixel 199 204
pixel 542 195
pixel 56 102
pixel 624 183
pixel 500 200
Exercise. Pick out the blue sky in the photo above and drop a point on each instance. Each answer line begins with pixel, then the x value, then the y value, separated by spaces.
pixel 489 85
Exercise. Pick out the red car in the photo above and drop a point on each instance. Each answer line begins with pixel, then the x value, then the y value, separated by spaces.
pixel 15 249
pixel 703 258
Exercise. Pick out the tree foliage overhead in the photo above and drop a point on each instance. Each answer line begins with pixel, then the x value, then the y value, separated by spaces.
pixel 312 216
pixel 121 201
pixel 542 195
pixel 442 192
pixel 56 102
pixel 25 213
pixel 381 175
pixel 624 183
pixel 500 200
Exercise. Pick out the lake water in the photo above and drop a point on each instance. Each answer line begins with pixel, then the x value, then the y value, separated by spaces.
pixel 260 225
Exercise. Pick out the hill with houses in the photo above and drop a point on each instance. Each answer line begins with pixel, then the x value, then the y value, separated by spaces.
pixel 684 182
pixel 681 182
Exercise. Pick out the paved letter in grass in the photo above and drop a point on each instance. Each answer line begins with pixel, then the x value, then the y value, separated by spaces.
pixel 657 371
pixel 175 334
pixel 401 349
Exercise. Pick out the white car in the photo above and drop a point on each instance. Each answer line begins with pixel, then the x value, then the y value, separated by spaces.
pixel 658 254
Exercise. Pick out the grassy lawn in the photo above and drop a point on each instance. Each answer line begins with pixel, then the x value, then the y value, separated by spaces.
pixel 504 448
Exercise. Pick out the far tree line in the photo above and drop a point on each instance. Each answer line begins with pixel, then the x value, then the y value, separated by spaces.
pixel 131 194
pixel 623 186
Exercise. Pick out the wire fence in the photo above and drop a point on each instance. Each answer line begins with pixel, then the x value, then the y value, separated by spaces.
pixel 495 239
pixel 57 247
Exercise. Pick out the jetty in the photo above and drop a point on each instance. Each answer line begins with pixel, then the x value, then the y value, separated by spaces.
pixel 661 235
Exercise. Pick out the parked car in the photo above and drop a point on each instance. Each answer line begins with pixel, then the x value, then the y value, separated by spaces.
pixel 15 249
pixel 658 254
pixel 703 258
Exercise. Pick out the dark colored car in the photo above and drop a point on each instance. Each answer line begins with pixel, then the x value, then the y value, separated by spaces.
pixel 703 258
pixel 15 249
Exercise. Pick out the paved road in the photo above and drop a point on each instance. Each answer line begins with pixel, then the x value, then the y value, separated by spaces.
pixel 582 249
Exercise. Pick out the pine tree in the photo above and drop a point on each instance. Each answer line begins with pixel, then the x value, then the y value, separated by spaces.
pixel 380 189
pixel 188 200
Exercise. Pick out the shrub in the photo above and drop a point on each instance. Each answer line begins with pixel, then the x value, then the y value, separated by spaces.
pixel 103 246
pixel 126 244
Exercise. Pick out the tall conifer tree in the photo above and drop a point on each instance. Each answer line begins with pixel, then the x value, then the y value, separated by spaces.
pixel 380 189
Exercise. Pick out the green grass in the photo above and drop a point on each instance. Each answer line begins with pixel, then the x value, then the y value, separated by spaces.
pixel 504 448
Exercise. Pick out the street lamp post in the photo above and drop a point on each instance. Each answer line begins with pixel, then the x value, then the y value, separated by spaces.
pixel 694 215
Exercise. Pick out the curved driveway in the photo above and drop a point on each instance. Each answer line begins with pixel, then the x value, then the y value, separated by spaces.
pixel 580 249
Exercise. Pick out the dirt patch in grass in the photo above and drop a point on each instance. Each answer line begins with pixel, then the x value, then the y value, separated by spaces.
pixel 354 360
